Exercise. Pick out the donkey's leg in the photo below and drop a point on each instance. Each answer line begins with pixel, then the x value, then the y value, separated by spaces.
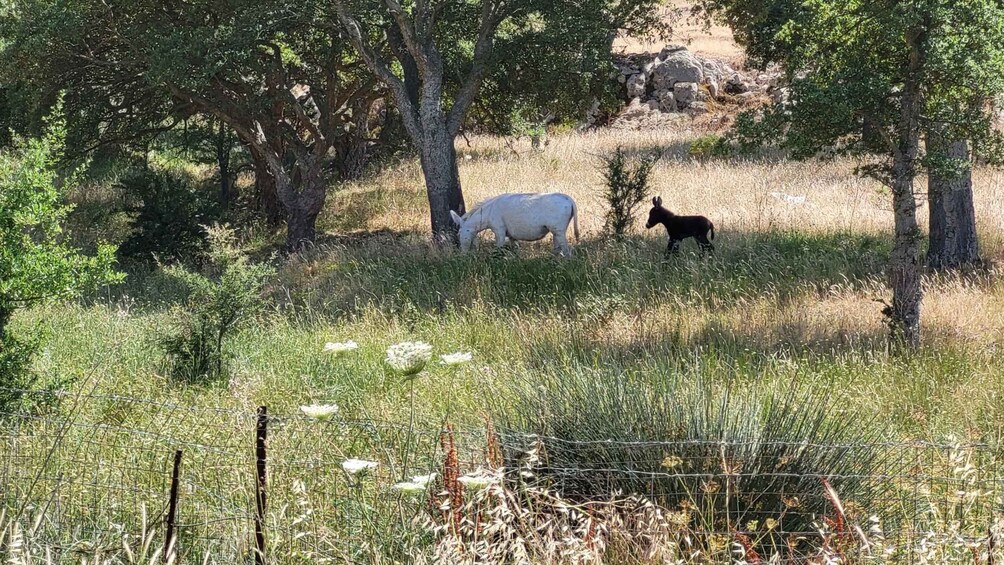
pixel 561 246
pixel 673 248
pixel 706 245
pixel 500 238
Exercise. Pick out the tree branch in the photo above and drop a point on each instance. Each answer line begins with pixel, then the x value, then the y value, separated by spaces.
pixel 491 17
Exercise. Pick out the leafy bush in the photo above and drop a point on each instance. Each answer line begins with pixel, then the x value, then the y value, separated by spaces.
pixel 169 214
pixel 628 181
pixel 708 146
pixel 36 264
pixel 732 459
pixel 219 304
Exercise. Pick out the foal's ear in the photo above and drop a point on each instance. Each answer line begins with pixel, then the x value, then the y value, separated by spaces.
pixel 456 218
pixel 657 201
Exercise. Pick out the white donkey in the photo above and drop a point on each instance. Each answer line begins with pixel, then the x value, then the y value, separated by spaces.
pixel 521 217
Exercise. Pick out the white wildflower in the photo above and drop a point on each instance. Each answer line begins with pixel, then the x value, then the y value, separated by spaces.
pixel 354 466
pixel 456 358
pixel 423 479
pixel 339 348
pixel 320 411
pixel 477 481
pixel 410 488
pixel 409 358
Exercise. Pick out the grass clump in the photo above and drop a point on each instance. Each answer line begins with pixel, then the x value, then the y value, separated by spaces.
pixel 733 458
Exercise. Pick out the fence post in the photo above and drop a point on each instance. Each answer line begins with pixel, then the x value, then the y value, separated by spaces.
pixel 261 493
pixel 172 509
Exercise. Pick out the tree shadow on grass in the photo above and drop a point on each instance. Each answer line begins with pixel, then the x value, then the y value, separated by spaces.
pixel 404 270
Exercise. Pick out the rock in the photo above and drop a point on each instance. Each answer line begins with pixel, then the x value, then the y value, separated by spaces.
pixel 736 85
pixel 685 93
pixel 713 89
pixel 781 95
pixel 653 105
pixel 636 86
pixel 697 108
pixel 676 65
pixel 621 79
pixel 667 102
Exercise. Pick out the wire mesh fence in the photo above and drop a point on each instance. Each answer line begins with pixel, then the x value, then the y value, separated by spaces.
pixel 80 479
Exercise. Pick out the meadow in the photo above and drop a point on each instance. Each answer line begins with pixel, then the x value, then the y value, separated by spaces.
pixel 788 302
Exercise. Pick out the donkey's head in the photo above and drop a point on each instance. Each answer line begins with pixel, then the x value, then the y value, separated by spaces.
pixel 466 231
pixel 658 214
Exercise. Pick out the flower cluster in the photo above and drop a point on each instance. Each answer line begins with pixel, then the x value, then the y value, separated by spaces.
pixel 409 358
pixel 456 358
pixel 355 466
pixel 320 411
pixel 339 348
pixel 417 484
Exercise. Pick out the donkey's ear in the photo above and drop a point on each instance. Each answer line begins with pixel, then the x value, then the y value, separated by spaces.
pixel 657 201
pixel 456 218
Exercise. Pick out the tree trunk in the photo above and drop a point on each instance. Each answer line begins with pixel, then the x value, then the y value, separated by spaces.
pixel 266 194
pixel 303 198
pixel 953 241
pixel 442 180
pixel 904 268
pixel 223 145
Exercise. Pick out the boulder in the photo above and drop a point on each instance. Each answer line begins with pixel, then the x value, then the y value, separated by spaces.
pixel 653 105
pixel 736 85
pixel 676 65
pixel 667 102
pixel 685 93
pixel 636 86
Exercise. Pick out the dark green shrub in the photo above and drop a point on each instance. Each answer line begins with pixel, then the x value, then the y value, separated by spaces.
pixel 170 212
pixel 709 146
pixel 628 181
pixel 733 459
pixel 220 302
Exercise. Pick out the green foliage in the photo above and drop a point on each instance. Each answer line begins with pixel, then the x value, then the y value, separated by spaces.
pixel 727 454
pixel 628 182
pixel 169 216
pixel 36 265
pixel 220 303
pixel 709 146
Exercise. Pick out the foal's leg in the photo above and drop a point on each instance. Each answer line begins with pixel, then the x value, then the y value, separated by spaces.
pixel 673 248
pixel 706 245
pixel 500 238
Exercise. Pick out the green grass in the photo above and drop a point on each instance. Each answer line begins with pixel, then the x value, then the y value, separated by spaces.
pixel 735 319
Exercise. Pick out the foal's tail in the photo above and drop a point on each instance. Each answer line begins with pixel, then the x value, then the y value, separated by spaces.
pixel 575 221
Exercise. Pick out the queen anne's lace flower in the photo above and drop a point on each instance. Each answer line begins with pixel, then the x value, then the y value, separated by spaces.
pixel 478 481
pixel 456 358
pixel 339 348
pixel 423 479
pixel 410 488
pixel 354 466
pixel 409 358
pixel 320 411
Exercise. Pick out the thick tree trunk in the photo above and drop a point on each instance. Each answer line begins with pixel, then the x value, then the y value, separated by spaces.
pixel 442 180
pixel 904 276
pixel 952 242
pixel 303 198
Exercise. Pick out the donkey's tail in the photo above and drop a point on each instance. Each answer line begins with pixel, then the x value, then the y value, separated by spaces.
pixel 575 220
pixel 712 232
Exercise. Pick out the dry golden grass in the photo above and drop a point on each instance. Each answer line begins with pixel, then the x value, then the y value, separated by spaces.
pixel 736 195
pixel 711 41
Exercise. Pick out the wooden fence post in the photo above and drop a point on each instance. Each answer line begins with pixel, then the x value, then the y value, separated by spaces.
pixel 261 492
pixel 172 510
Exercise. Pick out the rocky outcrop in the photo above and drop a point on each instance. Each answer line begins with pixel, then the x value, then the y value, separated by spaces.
pixel 679 81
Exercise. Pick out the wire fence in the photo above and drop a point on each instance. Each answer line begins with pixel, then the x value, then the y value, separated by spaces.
pixel 81 477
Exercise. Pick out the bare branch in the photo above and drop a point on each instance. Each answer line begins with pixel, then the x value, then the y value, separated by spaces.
pixel 381 69
pixel 491 17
